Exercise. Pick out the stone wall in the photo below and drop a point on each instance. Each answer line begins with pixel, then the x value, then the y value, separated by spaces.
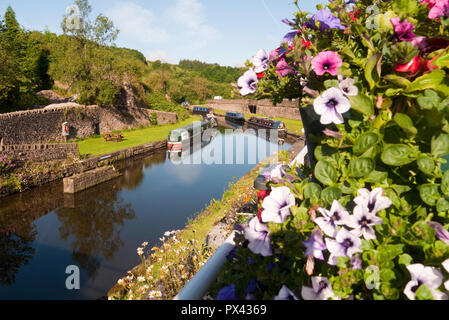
pixel 45 125
pixel 40 152
pixel 287 109
pixel 89 179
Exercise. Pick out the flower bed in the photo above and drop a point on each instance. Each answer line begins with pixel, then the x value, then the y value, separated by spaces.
pixel 368 218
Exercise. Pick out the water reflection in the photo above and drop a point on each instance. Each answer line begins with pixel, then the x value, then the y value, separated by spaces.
pixel 95 223
pixel 15 251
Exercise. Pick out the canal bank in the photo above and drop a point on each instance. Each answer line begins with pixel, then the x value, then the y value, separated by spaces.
pixel 166 269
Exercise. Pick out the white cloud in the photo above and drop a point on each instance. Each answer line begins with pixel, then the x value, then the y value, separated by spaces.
pixel 158 55
pixel 137 23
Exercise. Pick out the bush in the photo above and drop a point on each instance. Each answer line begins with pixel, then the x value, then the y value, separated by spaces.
pixel 372 221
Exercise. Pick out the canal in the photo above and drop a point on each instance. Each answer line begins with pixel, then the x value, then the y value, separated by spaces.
pixel 43 231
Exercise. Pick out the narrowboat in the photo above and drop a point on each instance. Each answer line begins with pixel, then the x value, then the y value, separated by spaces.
pixel 200 110
pixel 235 117
pixel 182 138
pixel 266 123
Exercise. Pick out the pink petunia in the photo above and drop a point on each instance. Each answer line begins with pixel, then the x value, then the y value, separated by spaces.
pixel 440 9
pixel 283 68
pixel 327 61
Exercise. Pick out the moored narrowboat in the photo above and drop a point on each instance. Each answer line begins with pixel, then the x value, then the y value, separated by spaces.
pixel 235 117
pixel 182 138
pixel 200 110
pixel 265 123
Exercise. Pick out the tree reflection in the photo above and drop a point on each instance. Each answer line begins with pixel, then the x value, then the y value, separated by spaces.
pixel 15 252
pixel 95 219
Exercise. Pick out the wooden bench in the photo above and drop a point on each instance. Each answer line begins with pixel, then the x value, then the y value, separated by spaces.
pixel 116 137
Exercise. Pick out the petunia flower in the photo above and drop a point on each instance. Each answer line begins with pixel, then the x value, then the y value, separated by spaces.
pixel 315 245
pixel 333 218
pixel 445 264
pixel 277 205
pixel 330 105
pixel 440 232
pixel 374 200
pixel 440 9
pixel 420 42
pixel 251 290
pixel 344 245
pixel 227 293
pixel 429 276
pixel 285 294
pixel 259 237
pixel 363 221
pixel 283 68
pixel 327 61
pixel 333 134
pixel 403 29
pixel 288 22
pixel 289 38
pixel 260 61
pixel 327 21
pixel 321 289
pixel 348 88
pixel 247 83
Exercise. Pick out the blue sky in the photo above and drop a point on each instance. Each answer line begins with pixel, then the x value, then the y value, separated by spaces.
pixel 224 31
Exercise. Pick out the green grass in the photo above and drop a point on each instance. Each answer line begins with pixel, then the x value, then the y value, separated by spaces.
pixel 293 126
pixel 96 146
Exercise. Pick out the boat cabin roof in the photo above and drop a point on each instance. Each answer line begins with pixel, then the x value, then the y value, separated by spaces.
pixel 267 122
pixel 235 114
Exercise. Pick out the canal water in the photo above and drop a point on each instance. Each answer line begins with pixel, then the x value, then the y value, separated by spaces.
pixel 43 231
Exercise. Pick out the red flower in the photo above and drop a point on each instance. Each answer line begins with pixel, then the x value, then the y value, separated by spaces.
pixel 306 44
pixel 416 66
pixel 263 194
pixel 353 15
pixel 260 75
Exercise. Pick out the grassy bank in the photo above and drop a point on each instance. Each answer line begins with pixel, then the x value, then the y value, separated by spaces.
pixel 293 126
pixel 96 146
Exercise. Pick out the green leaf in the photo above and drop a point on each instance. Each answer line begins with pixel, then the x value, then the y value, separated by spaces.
pixel 429 193
pixel 440 145
pixel 331 84
pixel 324 152
pixel 445 183
pixel 442 61
pixel 364 142
pixel 442 205
pixel 405 259
pixel 427 81
pixel 405 7
pixel 404 121
pixel 362 104
pixel 330 194
pixel 361 167
pixel 376 177
pixel 423 293
pixel 372 77
pixel 430 100
pixel 398 155
pixel 326 173
pixel 426 165
pixel 397 80
pixel 312 191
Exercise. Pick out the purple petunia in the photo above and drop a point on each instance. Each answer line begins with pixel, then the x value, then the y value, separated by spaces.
pixel 321 290
pixel 440 232
pixel 289 38
pixel 260 61
pixel 374 200
pixel 403 29
pixel 315 245
pixel 259 237
pixel 362 221
pixel 248 83
pixel 429 276
pixel 333 218
pixel 445 264
pixel 277 205
pixel 330 105
pixel 283 68
pixel 327 21
pixel 227 293
pixel 344 245
pixel 285 294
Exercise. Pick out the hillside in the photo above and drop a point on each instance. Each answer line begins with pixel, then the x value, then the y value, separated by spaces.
pixel 91 67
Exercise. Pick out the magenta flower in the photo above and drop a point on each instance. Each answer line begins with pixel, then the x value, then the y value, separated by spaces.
pixel 331 105
pixel 440 9
pixel 327 61
pixel 283 68
pixel 403 29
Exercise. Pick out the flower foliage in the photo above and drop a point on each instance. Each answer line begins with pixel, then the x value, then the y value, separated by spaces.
pixel 370 217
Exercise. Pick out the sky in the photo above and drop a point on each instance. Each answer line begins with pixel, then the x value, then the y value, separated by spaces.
pixel 227 32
